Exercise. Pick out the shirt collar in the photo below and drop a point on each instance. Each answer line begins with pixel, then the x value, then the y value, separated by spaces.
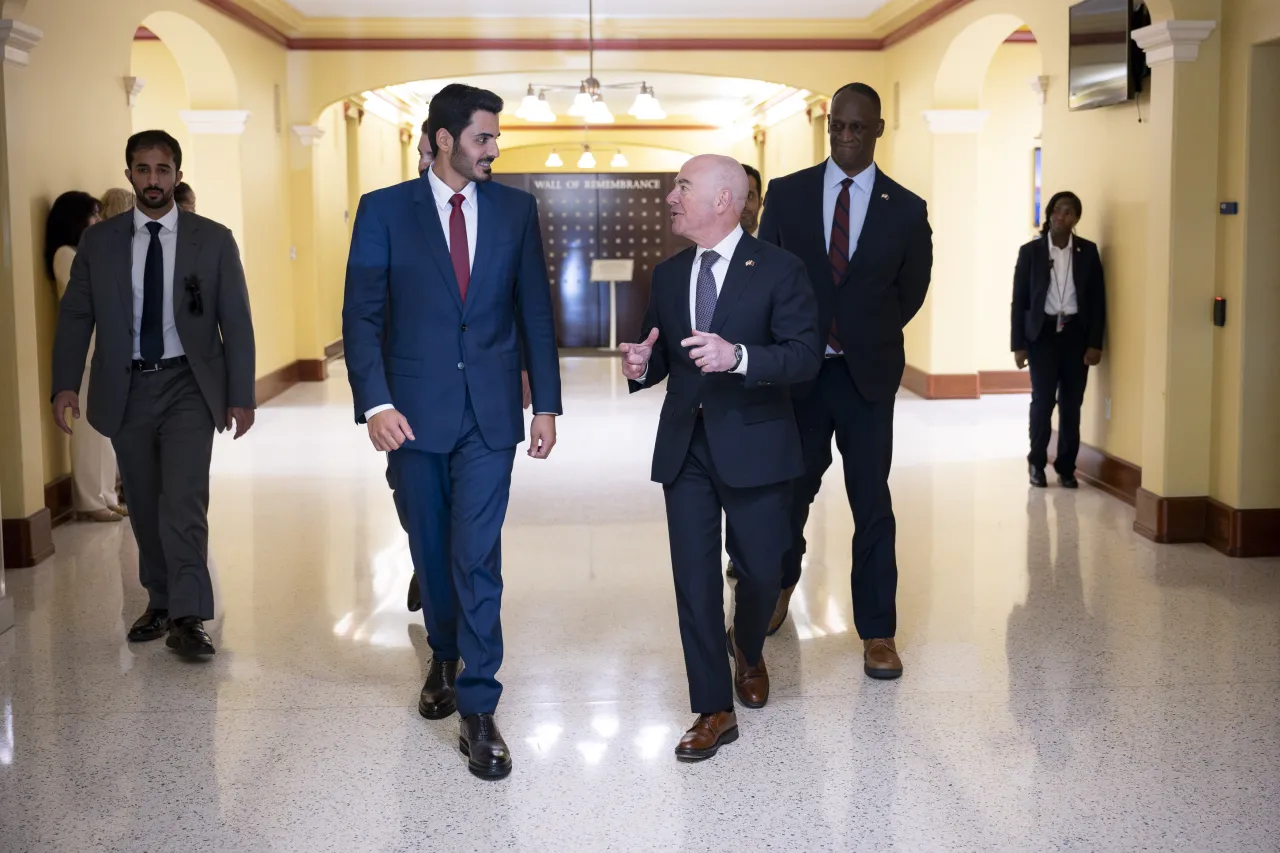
pixel 440 190
pixel 169 221
pixel 1052 248
pixel 864 180
pixel 726 247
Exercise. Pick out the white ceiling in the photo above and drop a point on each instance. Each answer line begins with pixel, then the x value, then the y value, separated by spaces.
pixel 709 100
pixel 827 9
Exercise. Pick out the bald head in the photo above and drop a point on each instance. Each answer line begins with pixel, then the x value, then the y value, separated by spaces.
pixel 706 204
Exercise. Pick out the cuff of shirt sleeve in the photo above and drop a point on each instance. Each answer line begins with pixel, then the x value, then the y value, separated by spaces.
pixel 369 414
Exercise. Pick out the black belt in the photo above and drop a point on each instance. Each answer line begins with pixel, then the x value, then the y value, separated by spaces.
pixel 140 366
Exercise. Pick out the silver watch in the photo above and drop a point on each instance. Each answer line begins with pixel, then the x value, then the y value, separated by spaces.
pixel 737 357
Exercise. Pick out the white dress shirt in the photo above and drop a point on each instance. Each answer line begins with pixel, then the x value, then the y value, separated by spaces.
pixel 859 200
pixel 169 246
pixel 1061 298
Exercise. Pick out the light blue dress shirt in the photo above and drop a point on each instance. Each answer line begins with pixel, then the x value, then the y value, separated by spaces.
pixel 859 199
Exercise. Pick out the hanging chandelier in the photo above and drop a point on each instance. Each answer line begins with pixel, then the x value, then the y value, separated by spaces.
pixel 589 104
pixel 588 158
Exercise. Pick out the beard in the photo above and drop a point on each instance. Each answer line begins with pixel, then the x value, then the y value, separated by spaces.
pixel 467 167
pixel 154 202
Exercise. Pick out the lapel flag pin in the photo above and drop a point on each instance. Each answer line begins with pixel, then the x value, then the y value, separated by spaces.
pixel 751 263
pixel 884 196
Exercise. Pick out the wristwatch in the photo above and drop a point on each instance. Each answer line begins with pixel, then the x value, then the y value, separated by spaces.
pixel 737 357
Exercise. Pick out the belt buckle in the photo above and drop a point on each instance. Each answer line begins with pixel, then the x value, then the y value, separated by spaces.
pixel 156 369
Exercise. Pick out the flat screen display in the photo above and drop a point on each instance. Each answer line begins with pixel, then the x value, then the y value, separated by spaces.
pixel 1099 54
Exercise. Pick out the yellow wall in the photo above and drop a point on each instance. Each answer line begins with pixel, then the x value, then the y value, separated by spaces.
pixel 331 217
pixel 381 162
pixel 160 101
pixel 788 146
pixel 1003 203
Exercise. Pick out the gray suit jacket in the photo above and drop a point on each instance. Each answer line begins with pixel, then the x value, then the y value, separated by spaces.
pixel 218 342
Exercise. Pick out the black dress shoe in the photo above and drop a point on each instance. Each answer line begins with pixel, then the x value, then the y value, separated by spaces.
pixel 1037 477
pixel 150 626
pixel 1068 481
pixel 188 639
pixel 482 744
pixel 415 595
pixel 437 700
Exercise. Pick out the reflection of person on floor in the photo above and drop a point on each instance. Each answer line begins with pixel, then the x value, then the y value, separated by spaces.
pixel 433 358
pixel 1059 313
pixel 869 249
pixel 93 462
pixel 732 323
pixel 174 363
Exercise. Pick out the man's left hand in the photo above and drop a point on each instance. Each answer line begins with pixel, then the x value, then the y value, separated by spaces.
pixel 542 436
pixel 710 352
pixel 525 390
pixel 243 419
pixel 1092 356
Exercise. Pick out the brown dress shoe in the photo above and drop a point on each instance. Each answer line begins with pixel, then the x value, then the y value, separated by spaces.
pixel 751 683
pixel 880 658
pixel 709 733
pixel 780 611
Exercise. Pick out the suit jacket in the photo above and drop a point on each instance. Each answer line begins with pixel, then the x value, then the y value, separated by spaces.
pixel 1031 279
pixel 886 281
pixel 218 342
pixel 768 306
pixel 409 339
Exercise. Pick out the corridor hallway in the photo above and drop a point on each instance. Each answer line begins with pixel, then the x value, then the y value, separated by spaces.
pixel 1069 685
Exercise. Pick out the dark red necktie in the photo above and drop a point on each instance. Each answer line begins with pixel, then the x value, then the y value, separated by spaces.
pixel 838 255
pixel 461 257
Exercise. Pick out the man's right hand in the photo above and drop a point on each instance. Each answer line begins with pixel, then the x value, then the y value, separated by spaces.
pixel 1020 358
pixel 635 357
pixel 388 430
pixel 63 401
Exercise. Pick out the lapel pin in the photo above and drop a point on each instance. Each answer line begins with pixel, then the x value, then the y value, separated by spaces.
pixel 884 196
pixel 751 263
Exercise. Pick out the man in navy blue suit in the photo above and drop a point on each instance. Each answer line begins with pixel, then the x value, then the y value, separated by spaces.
pixel 445 278
pixel 869 249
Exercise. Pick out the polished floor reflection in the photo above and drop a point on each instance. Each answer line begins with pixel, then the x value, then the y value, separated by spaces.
pixel 1069 685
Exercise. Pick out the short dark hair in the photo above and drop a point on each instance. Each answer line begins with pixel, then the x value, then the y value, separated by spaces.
pixel 68 218
pixel 1053 202
pixel 183 193
pixel 152 139
pixel 452 109
pixel 753 172
pixel 859 89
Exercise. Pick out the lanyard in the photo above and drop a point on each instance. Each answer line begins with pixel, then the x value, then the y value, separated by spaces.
pixel 1060 282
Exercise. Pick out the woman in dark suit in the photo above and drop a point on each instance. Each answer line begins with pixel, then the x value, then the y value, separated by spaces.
pixel 1058 319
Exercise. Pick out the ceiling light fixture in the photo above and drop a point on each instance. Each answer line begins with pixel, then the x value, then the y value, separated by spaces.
pixel 587 160
pixel 553 160
pixel 588 103
pixel 619 161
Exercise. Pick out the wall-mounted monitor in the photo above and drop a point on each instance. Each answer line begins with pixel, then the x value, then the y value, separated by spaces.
pixel 1105 64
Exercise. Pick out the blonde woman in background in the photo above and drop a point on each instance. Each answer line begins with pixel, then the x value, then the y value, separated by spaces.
pixel 93 461
pixel 116 201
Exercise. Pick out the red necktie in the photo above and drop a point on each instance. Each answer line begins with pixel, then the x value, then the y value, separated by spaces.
pixel 458 252
pixel 838 256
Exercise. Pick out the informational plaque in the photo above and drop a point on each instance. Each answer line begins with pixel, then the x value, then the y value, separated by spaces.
pixel 613 269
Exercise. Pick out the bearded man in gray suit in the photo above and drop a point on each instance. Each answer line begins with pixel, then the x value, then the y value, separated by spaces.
pixel 174 362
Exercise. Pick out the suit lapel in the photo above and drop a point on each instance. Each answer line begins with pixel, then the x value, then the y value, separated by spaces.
pixel 741 268
pixel 682 270
pixel 878 211
pixel 812 210
pixel 184 261
pixel 122 263
pixel 429 220
pixel 486 235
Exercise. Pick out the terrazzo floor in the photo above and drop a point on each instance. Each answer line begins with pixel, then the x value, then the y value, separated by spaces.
pixel 1069 685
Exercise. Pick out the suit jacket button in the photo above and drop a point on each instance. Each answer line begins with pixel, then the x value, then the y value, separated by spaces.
pixel 461 365
pixel 464 328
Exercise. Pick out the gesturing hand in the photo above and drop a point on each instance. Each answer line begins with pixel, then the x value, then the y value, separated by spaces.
pixel 710 352
pixel 388 430
pixel 243 418
pixel 635 357
pixel 63 401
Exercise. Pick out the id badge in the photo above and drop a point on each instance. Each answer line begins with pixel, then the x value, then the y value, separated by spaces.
pixel 1062 322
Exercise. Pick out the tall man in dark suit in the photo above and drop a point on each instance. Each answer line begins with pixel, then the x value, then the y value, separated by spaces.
pixel 1059 314
pixel 446 274
pixel 869 250
pixel 174 362
pixel 731 324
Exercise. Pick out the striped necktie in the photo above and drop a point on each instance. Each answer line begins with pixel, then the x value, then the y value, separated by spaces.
pixel 838 256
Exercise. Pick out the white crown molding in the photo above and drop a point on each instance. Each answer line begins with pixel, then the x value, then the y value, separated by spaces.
pixel 308 134
pixel 133 87
pixel 215 122
pixel 1173 41
pixel 1040 86
pixel 18 39
pixel 955 121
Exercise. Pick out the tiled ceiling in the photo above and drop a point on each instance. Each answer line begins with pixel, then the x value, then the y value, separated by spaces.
pixel 824 9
